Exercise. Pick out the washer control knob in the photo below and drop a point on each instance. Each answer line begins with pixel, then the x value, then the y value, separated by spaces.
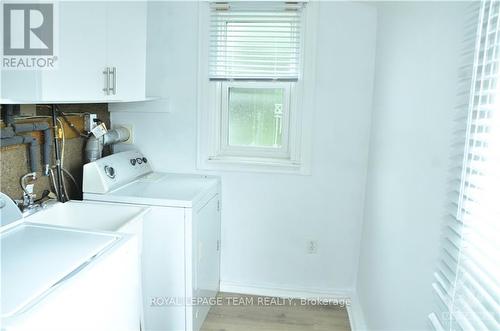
pixel 144 160
pixel 132 162
pixel 139 160
pixel 110 171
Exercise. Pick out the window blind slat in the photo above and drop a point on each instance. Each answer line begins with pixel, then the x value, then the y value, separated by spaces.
pixel 255 41
pixel 435 322
pixel 467 280
pixel 261 39
pixel 485 296
pixel 446 272
pixel 468 315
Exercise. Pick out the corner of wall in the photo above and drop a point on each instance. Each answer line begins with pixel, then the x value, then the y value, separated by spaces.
pixel 356 314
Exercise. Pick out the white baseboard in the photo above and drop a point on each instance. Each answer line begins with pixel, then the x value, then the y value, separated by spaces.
pixel 283 291
pixel 356 317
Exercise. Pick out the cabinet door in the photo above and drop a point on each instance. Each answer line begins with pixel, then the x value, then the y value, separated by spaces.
pixel 16 83
pixel 81 60
pixel 126 49
pixel 22 85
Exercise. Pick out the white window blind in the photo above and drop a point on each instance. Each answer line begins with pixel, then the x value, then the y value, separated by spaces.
pixel 467 281
pixel 255 41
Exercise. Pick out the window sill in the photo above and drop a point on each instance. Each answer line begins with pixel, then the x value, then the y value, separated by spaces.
pixel 253 164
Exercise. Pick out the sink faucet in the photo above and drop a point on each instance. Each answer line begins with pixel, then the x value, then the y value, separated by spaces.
pixel 28 201
pixel 29 205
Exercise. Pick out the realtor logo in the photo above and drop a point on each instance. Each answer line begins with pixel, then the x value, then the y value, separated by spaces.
pixel 28 29
pixel 29 36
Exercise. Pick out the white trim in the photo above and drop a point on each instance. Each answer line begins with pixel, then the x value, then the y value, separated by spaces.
pixel 300 125
pixel 280 291
pixel 354 311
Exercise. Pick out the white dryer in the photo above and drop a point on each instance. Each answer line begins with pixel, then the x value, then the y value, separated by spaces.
pixel 181 239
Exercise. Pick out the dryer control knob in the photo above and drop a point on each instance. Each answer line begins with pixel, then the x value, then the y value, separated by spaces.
pixel 110 171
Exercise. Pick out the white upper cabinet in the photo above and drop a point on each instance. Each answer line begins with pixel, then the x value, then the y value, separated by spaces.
pixel 101 56
pixel 20 85
pixel 81 56
pixel 126 50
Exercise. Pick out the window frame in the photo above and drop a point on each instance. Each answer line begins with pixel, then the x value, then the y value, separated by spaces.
pixel 302 102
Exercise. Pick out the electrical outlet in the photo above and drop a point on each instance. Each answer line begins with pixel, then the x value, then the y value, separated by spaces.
pixel 312 247
pixel 89 122
pixel 28 110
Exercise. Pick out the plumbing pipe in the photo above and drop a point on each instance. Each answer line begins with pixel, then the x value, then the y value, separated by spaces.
pixel 6 132
pixel 29 127
pixel 33 147
pixel 94 146
pixel 10 112
pixel 47 146
pixel 33 143
pixel 15 140
pixel 47 150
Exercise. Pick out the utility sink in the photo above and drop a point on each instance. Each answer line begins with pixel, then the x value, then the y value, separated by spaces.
pixel 92 216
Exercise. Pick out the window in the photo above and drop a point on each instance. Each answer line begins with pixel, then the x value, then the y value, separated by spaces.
pixel 467 280
pixel 255 119
pixel 252 72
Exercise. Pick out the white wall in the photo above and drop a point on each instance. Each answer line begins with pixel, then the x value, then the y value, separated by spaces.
pixel 267 218
pixel 418 51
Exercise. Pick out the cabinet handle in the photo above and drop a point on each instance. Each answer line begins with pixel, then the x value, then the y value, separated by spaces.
pixel 113 72
pixel 106 78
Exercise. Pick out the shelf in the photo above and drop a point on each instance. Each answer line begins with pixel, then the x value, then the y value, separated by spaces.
pixel 150 105
pixel 60 102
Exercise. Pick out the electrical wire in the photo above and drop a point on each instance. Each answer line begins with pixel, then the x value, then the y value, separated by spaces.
pixel 64 186
pixel 63 140
pixel 63 145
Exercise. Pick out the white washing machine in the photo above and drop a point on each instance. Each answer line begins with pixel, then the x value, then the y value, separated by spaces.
pixel 56 278
pixel 181 238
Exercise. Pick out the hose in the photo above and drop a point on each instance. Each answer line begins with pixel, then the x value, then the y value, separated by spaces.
pixel 67 173
pixel 53 181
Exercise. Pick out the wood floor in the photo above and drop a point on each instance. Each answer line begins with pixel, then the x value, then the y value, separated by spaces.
pixel 281 316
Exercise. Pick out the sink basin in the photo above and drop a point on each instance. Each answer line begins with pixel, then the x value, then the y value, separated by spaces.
pixel 91 216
